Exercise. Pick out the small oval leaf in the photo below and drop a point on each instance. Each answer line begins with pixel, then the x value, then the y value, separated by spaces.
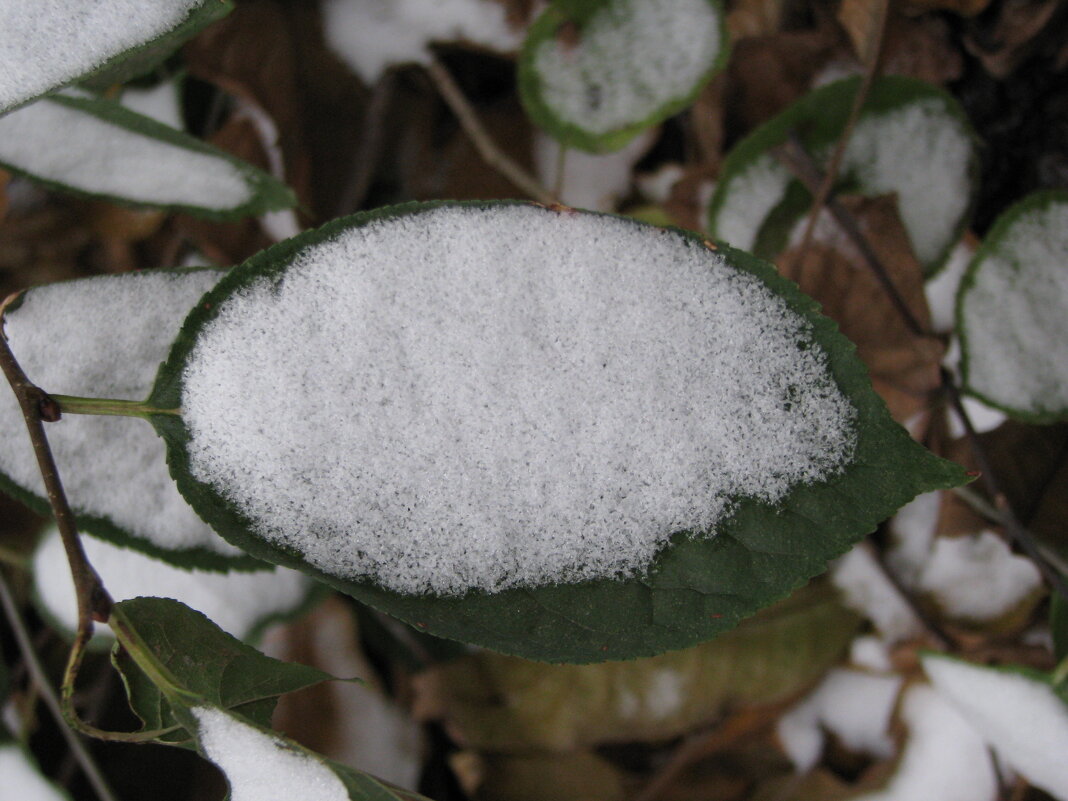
pixel 1012 312
pixel 563 435
pixel 596 74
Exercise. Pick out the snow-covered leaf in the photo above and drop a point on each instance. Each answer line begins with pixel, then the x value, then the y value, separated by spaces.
pixel 22 779
pixel 595 74
pixel 97 147
pixel 758 203
pixel 1012 312
pixel 105 337
pixel 563 435
pixel 51 43
pixel 241 603
pixel 1015 710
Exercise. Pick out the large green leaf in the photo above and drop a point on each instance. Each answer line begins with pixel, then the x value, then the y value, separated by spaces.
pixel 596 73
pixel 181 670
pixel 51 43
pixel 1012 312
pixel 105 337
pixel 703 582
pixel 911 139
pixel 95 147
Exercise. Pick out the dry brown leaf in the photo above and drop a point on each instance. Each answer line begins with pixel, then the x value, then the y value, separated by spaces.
pixel 5 176
pixel 904 368
pixel 1016 29
pixel 860 19
pixel 965 8
pixel 686 204
pixel 921 47
pixel 748 18
pixel 578 776
pixel 706 115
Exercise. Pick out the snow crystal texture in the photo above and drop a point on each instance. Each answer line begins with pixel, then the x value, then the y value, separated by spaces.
pixel 237 601
pixel 635 57
pixel 1014 316
pixel 488 398
pixel 261 767
pixel 48 43
pixel 65 145
pixel 105 337
pixel 373 35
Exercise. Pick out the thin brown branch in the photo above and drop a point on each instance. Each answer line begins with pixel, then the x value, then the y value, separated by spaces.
pixel 487 148
pixel 369 149
pixel 48 695
pixel 871 71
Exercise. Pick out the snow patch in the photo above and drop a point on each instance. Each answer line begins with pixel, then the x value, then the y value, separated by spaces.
pixel 522 397
pixel 65 145
pixel 22 779
pixel 751 196
pixel 941 289
pixel 591 181
pixel 634 57
pixel 112 352
pixel 868 591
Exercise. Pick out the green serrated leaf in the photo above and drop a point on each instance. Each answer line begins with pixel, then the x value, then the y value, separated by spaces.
pixel 94 147
pixel 174 651
pixel 596 74
pixel 758 203
pixel 44 48
pixel 698 586
pixel 1012 312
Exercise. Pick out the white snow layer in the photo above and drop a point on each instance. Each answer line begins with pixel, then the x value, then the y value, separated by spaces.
pixel 634 57
pixel 49 43
pixel 22 781
pixel 590 181
pixel 941 288
pixel 868 591
pixel 889 152
pixel 263 767
pixel 237 601
pixel 373 35
pixel 488 398
pixel 1014 315
pixel 69 146
pixel 852 705
pixel 1022 718
pixel 161 102
pixel 944 758
pixel 977 577
pixel 105 337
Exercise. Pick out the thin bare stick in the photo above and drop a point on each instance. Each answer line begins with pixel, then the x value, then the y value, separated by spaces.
pixel 487 148
pixel 801 163
pixel 871 71
pixel 369 148
pixel 48 695
pixel 561 170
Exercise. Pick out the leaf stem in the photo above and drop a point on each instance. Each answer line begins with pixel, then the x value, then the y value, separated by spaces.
pixel 73 404
pixel 480 137
pixel 48 695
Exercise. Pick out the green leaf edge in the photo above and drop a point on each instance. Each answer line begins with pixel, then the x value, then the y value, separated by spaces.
pixel 267 192
pixel 114 70
pixel 818 118
pixel 106 529
pixel 896 467
pixel 571 135
pixel 990 247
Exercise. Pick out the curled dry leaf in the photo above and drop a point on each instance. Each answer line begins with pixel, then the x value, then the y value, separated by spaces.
pixel 904 367
pixel 579 776
pixel 1003 40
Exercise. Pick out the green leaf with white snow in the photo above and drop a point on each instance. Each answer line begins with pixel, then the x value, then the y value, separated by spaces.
pixel 561 435
pixel 1012 312
pixel 1017 712
pixel 596 74
pixel 95 147
pixel 48 44
pixel 758 203
pixel 105 337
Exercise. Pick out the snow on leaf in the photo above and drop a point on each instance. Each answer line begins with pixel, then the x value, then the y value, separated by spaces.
pixel 499 405
pixel 1012 312
pixel 96 147
pixel 596 82
pixel 50 43
pixel 105 337
pixel 1016 711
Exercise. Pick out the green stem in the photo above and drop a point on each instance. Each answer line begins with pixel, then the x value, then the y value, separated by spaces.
pixel 1060 673
pixel 72 404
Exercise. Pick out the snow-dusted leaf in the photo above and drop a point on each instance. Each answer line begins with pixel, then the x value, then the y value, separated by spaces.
pixel 595 74
pixel 1015 710
pixel 911 139
pixel 241 603
pixel 22 779
pixel 1012 312
pixel 563 435
pixel 97 147
pixel 51 43
pixel 105 337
